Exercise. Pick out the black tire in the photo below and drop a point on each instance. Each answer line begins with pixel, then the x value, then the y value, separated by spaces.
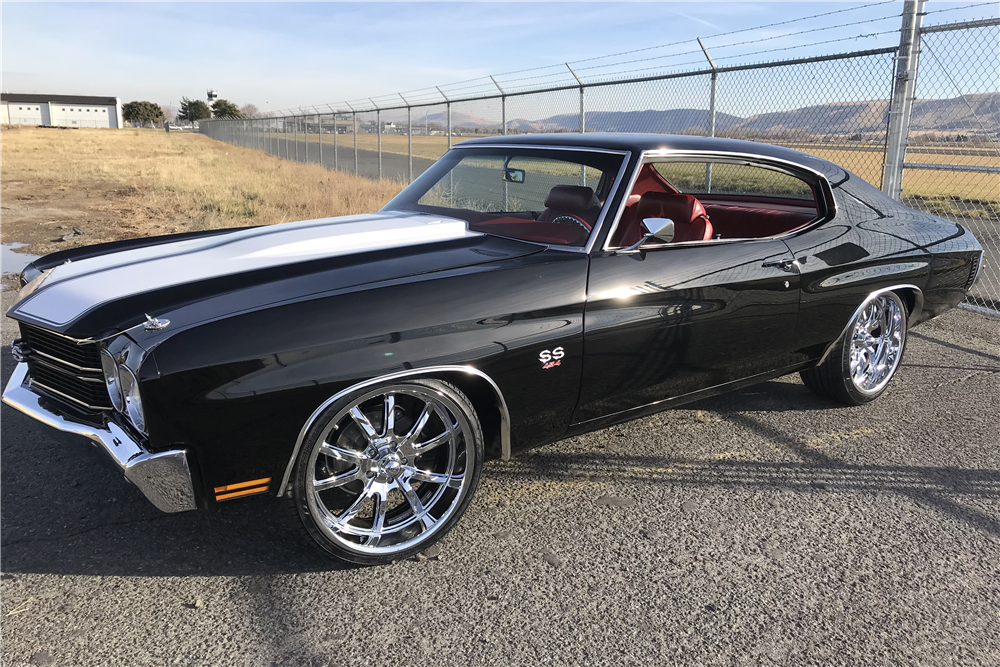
pixel 834 379
pixel 396 467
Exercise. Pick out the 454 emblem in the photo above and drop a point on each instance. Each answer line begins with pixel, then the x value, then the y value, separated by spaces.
pixel 551 358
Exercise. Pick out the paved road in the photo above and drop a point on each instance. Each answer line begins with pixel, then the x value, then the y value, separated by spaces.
pixel 766 527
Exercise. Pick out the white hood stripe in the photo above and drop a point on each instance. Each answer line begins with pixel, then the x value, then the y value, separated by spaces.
pixel 75 288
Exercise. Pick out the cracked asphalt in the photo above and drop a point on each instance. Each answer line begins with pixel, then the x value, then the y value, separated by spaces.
pixel 764 527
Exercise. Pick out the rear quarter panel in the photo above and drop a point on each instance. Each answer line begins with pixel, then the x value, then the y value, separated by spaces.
pixel 872 243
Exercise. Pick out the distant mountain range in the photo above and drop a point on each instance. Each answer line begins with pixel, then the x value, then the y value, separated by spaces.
pixel 974 113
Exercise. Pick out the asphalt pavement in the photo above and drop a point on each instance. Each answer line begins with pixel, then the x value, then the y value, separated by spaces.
pixel 764 527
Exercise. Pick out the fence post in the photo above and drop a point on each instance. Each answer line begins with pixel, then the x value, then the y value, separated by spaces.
pixel 583 119
pixel 447 106
pixel 336 130
pixel 296 138
pixel 305 131
pixel 354 126
pixel 713 90
pixel 583 123
pixel 904 85
pixel 321 140
pixel 378 129
pixel 409 137
pixel 503 105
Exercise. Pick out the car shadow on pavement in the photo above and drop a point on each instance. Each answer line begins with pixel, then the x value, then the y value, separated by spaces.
pixel 952 346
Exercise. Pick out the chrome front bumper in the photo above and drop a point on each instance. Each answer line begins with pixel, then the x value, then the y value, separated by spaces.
pixel 163 477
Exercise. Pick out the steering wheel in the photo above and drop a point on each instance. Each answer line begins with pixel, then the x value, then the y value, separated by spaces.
pixel 571 220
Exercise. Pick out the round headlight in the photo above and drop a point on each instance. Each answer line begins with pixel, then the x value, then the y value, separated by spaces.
pixel 133 404
pixel 111 379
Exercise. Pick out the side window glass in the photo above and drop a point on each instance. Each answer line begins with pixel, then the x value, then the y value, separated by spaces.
pixel 733 179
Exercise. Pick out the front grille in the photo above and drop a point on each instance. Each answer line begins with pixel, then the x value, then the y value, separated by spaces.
pixel 65 368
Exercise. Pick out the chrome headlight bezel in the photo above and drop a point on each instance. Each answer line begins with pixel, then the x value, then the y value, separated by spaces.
pixel 117 362
pixel 133 401
pixel 112 380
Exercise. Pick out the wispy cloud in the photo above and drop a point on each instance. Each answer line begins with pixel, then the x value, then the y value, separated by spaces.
pixel 281 55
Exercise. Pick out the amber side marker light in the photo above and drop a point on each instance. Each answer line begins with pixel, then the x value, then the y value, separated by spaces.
pixel 242 489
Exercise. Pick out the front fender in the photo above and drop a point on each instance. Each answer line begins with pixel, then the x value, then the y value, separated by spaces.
pixel 238 391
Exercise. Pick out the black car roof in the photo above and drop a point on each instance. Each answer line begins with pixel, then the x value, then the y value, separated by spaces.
pixel 647 142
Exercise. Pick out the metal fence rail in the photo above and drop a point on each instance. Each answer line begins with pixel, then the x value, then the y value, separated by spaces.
pixel 919 120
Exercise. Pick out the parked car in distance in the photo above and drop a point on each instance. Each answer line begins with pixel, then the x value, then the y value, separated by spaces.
pixel 522 290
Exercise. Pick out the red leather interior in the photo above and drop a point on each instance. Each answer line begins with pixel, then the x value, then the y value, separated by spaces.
pixel 691 221
pixel 628 230
pixel 576 200
pixel 741 222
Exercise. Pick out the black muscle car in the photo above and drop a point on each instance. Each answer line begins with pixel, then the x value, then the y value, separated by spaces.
pixel 522 290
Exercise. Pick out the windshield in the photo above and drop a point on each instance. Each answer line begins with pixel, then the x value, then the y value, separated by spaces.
pixel 532 194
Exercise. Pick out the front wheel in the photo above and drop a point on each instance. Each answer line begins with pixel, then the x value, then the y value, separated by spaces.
pixel 385 473
pixel 862 363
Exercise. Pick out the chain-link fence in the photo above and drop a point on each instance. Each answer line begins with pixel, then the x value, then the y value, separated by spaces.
pixel 952 166
pixel 920 121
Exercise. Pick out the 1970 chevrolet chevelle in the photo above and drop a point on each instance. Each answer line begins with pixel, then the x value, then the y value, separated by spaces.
pixel 522 290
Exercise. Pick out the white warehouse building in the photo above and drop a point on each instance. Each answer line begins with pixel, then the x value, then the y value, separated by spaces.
pixel 60 110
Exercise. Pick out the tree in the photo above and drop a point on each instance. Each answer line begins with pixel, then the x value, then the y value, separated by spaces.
pixel 192 110
pixel 250 111
pixel 225 109
pixel 142 112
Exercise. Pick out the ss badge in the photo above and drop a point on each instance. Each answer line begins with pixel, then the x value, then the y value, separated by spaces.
pixel 551 358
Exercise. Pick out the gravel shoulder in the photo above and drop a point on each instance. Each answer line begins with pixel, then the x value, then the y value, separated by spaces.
pixel 763 527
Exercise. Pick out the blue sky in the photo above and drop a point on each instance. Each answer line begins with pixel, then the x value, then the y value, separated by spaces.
pixel 281 55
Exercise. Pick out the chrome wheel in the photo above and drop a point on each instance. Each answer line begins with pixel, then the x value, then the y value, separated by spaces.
pixel 390 469
pixel 877 343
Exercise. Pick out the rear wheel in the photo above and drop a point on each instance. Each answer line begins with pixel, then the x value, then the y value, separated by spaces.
pixel 862 363
pixel 387 472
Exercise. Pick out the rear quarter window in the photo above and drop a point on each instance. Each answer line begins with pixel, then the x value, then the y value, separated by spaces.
pixel 733 179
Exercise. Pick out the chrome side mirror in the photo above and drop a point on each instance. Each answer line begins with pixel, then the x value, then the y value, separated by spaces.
pixel 658 230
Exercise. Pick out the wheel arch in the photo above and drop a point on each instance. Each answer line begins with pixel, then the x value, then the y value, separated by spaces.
pixel 479 387
pixel 911 295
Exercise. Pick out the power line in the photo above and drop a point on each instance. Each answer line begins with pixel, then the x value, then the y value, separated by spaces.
pixel 734 32
pixel 952 9
pixel 480 82
pixel 745 42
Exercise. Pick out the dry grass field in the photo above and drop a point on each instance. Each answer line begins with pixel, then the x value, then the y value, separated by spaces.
pixel 939 189
pixel 116 184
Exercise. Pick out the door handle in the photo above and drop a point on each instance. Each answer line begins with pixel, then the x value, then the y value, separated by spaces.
pixel 783 264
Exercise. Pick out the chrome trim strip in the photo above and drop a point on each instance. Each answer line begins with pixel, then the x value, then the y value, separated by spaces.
pixel 36 383
pixel 549 147
pixel 501 405
pixel 918 306
pixel 611 195
pixel 164 477
pixel 831 205
pixel 78 341
pixel 63 361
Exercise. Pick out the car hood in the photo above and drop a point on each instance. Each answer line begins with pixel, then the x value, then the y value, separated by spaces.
pixel 110 292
